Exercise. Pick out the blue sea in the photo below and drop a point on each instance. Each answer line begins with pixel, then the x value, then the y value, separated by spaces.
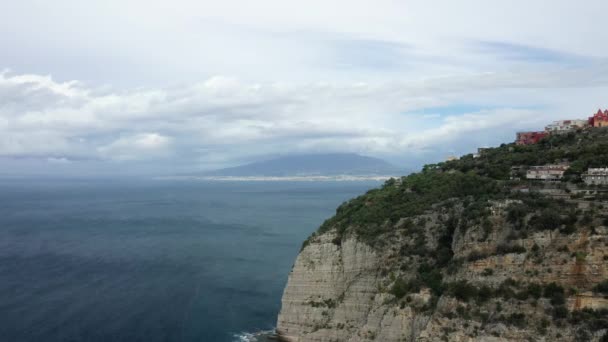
pixel 152 260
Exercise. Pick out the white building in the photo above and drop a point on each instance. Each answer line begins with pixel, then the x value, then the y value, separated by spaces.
pixel 547 172
pixel 597 176
pixel 563 126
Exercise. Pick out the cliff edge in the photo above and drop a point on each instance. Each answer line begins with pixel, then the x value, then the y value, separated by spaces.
pixel 461 252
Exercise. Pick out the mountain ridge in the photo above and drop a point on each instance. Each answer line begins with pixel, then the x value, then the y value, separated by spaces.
pixel 325 164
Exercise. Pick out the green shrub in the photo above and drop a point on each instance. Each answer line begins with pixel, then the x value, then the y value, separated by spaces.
pixel 506 289
pixel 484 293
pixel 401 287
pixel 601 287
pixel 462 290
pixel 580 256
pixel 476 255
pixel 517 319
pixel 594 320
pixel 535 249
pixel 487 272
pixel 509 248
pixel 560 312
pixel 516 214
pixel 486 225
pixel 431 277
pixel 534 290
pixel 568 229
pixel 548 219
pixel 555 293
pixel 587 219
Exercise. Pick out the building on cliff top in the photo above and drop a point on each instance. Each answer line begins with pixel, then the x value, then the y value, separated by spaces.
pixel 547 172
pixel 596 176
pixel 528 138
pixel 599 119
pixel 564 126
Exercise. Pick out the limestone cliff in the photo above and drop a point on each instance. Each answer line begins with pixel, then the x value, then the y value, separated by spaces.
pixel 450 256
pixel 343 292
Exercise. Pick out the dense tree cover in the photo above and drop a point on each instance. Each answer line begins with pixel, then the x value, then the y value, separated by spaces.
pixel 376 211
pixel 370 215
pixel 479 179
pixel 476 180
pixel 537 213
pixel 602 287
pixel 583 149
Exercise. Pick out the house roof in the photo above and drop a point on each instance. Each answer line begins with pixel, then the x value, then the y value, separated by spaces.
pixel 600 115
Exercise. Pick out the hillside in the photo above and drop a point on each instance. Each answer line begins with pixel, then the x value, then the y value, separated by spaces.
pixel 582 149
pixel 313 165
pixel 460 252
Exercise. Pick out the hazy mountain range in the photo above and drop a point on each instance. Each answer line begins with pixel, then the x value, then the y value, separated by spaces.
pixel 331 164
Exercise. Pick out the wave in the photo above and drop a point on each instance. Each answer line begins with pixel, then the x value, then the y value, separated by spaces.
pixel 260 336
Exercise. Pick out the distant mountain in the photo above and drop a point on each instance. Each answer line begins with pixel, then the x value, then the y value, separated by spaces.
pixel 312 165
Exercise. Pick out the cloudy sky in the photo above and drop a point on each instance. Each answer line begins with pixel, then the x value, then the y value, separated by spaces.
pixel 159 87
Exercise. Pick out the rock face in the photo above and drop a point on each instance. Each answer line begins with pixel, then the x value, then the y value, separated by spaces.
pixel 333 295
pixel 344 289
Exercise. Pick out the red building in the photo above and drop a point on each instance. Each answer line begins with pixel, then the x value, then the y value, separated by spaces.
pixel 527 138
pixel 599 119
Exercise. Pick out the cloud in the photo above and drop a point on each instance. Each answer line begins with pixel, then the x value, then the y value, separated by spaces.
pixel 110 42
pixel 359 53
pixel 225 121
pixel 200 84
pixel 526 53
pixel 59 160
pixel 139 146
pixel 204 84
pixel 455 127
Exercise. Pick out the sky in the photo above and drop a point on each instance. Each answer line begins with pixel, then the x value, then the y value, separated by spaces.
pixel 164 87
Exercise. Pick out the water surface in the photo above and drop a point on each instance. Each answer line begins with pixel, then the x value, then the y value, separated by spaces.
pixel 152 260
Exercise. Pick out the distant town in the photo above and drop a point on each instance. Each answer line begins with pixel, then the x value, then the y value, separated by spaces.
pixel 593 176
pixel 599 119
pixel 555 172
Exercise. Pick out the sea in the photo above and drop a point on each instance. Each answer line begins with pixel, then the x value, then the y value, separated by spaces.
pixel 152 260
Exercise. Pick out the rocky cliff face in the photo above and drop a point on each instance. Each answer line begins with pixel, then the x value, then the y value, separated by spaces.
pixel 333 294
pixel 501 280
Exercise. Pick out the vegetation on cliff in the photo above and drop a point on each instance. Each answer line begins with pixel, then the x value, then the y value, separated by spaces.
pixel 478 180
pixel 433 226
pixel 582 149
pixel 376 211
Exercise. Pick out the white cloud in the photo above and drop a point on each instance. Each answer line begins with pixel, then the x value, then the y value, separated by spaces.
pixel 224 120
pixel 115 41
pixel 137 147
pixel 448 130
pixel 40 143
pixel 205 84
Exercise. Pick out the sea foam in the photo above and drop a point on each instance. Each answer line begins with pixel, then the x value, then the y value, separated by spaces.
pixel 261 336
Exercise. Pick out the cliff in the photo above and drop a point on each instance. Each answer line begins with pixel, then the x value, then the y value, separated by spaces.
pixel 458 253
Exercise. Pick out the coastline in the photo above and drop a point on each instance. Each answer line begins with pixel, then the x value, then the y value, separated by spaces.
pixel 336 178
pixel 261 336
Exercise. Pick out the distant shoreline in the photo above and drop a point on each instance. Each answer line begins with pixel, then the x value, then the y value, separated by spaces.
pixel 336 178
